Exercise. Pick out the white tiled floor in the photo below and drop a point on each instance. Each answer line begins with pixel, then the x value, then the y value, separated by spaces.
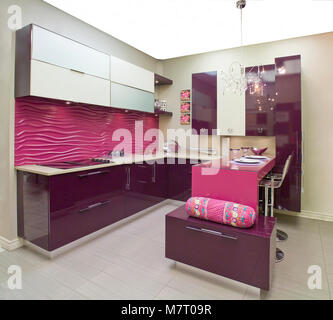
pixel 128 263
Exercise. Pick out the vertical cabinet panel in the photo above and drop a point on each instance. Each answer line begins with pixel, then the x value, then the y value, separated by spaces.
pixel 230 112
pixel 261 102
pixel 54 82
pixel 288 130
pixel 131 75
pixel 130 98
pixel 63 52
pixel 204 102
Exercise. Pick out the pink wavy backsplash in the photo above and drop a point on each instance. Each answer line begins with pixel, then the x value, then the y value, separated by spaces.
pixel 48 131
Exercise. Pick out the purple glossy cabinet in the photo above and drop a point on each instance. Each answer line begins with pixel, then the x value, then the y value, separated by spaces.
pixel 54 211
pixel 204 102
pixel 146 185
pixel 245 255
pixel 260 102
pixel 180 180
pixel 288 130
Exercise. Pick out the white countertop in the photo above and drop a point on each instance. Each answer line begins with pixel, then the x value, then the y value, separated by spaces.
pixel 47 171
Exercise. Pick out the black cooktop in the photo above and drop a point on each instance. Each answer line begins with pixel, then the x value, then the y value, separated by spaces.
pixel 76 163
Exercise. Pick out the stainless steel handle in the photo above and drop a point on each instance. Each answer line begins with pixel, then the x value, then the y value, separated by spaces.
pixel 142 181
pixel 92 174
pixel 215 233
pixel 77 71
pixel 154 173
pixel 93 206
pixel 142 166
pixel 128 178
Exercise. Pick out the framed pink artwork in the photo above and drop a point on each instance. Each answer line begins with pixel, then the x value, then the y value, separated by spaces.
pixel 185 119
pixel 185 107
pixel 185 95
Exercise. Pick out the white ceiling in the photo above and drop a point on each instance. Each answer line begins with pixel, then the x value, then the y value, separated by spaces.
pixel 172 28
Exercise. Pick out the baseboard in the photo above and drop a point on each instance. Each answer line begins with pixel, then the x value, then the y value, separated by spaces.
pixel 10 245
pixel 308 215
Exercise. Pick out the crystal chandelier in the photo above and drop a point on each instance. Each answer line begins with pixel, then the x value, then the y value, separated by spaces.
pixel 237 79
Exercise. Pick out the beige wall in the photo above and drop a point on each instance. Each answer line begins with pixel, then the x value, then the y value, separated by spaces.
pixel 38 12
pixel 317 97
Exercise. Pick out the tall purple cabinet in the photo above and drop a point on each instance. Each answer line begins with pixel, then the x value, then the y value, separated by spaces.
pixel 204 102
pixel 288 130
pixel 276 110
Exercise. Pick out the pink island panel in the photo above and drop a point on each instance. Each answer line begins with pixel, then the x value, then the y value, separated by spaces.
pixel 229 181
pixel 48 131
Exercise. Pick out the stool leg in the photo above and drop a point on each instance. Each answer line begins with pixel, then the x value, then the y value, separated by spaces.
pixel 281 235
pixel 279 256
pixel 266 201
pixel 272 202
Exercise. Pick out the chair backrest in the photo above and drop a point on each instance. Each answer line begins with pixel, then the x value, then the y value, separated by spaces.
pixel 285 169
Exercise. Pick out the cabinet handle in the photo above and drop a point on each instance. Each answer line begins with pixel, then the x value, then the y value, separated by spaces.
pixel 142 166
pixel 128 179
pixel 77 71
pixel 142 181
pixel 215 233
pixel 93 206
pixel 92 174
pixel 154 173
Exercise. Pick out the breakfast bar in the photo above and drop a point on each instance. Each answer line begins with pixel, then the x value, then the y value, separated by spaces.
pixel 230 181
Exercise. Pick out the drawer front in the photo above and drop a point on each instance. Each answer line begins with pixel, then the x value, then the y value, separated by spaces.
pixel 131 75
pixel 230 254
pixel 82 188
pixel 130 98
pixel 60 51
pixel 54 82
pixel 74 223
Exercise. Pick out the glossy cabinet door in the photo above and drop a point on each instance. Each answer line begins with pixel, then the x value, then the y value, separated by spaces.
pixel 180 180
pixel 50 81
pixel 82 203
pixel 55 49
pixel 33 198
pixel 146 185
pixel 288 130
pixel 204 102
pixel 261 102
pixel 130 75
pixel 125 97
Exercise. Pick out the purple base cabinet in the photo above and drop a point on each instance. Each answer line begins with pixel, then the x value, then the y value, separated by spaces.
pixel 57 210
pixel 245 255
pixel 54 211
pixel 288 130
pixel 204 102
pixel 180 180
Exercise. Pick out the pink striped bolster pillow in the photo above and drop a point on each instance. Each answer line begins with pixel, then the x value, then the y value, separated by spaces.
pixel 224 212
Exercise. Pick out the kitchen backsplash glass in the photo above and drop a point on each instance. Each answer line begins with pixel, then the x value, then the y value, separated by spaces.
pixel 48 131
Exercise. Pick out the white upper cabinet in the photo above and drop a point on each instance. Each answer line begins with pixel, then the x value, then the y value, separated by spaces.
pixel 131 75
pixel 230 112
pixel 64 84
pixel 60 51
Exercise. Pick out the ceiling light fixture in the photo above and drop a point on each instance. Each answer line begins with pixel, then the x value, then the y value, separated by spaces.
pixel 237 80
